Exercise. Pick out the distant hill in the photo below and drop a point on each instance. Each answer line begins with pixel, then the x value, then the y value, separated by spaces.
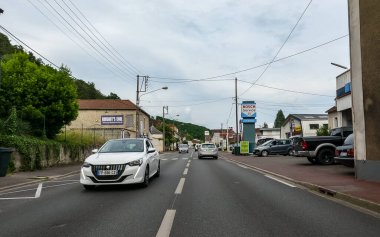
pixel 192 131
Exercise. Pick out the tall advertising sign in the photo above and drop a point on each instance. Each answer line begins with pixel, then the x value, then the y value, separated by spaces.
pixel 248 111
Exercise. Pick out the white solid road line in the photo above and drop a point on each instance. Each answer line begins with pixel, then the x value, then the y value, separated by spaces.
pixel 242 166
pixel 166 224
pixel 38 192
pixel 179 188
pixel 281 181
pixel 185 171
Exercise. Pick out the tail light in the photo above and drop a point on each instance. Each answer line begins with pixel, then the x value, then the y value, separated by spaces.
pixel 350 152
pixel 337 153
pixel 304 145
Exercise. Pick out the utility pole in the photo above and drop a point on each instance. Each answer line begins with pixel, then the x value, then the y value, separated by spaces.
pixel 163 125
pixel 137 106
pixel 236 112
pixel 138 90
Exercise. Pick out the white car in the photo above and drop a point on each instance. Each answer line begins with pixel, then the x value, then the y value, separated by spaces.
pixel 121 161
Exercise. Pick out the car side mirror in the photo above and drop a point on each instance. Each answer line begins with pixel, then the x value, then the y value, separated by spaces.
pixel 95 151
pixel 151 149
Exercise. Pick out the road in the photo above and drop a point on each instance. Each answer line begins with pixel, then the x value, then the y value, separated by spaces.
pixel 192 197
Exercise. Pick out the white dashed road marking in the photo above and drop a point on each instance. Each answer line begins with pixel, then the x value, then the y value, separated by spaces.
pixel 166 224
pixel 180 186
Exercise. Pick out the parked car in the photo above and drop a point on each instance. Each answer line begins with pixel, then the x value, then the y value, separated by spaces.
pixel 261 141
pixel 183 148
pixel 208 150
pixel 121 161
pixel 321 149
pixel 345 154
pixel 275 146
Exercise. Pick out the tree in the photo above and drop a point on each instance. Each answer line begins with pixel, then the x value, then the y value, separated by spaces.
pixel 280 119
pixel 265 125
pixel 45 97
pixel 323 131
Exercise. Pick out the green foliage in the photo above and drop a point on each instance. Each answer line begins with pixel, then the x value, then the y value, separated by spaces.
pixel 323 131
pixel 87 90
pixel 13 125
pixel 280 119
pixel 6 47
pixel 74 138
pixel 189 130
pixel 45 97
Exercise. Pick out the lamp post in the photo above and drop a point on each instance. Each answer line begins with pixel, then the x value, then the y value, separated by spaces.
pixel 138 96
pixel 163 125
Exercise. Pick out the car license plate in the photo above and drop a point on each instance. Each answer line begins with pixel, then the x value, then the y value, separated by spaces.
pixel 343 154
pixel 107 172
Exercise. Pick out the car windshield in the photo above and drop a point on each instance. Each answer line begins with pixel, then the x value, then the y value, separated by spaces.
pixel 130 145
pixel 266 143
pixel 349 140
pixel 208 145
pixel 183 145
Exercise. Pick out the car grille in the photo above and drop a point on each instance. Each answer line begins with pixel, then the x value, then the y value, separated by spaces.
pixel 120 169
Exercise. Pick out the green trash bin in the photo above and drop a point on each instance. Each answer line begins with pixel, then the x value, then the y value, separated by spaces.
pixel 5 157
pixel 237 150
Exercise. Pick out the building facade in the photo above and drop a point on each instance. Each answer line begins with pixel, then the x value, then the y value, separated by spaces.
pixel 303 124
pixel 110 118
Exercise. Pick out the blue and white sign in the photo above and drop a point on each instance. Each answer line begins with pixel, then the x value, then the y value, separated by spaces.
pixel 248 109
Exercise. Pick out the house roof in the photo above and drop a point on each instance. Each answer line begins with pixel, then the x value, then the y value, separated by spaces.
pixel 108 104
pixel 310 116
pixel 332 109
pixel 154 130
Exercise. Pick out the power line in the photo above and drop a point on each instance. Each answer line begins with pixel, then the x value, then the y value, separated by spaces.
pixel 20 41
pixel 247 69
pixel 93 27
pixel 105 49
pixel 84 38
pixel 67 35
pixel 279 50
pixel 280 89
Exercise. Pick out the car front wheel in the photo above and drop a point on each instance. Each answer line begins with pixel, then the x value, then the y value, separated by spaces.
pixel 145 183
pixel 264 153
pixel 158 170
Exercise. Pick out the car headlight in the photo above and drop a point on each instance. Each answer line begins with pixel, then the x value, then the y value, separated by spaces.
pixel 136 162
pixel 86 165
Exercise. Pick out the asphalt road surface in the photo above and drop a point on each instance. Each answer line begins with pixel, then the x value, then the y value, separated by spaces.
pixel 192 197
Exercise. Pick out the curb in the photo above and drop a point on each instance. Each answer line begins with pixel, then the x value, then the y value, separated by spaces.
pixel 363 203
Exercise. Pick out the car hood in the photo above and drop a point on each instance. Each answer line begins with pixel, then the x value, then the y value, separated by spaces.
pixel 113 158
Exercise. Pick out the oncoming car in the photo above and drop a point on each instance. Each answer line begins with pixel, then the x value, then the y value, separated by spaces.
pixel 121 161
pixel 207 150
pixel 183 148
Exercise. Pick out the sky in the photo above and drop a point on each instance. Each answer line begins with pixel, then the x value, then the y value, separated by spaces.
pixel 279 51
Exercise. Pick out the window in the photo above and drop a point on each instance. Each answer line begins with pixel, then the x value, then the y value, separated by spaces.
pixel 314 126
pixel 130 121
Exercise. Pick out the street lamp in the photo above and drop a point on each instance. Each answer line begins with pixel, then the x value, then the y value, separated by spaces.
pixel 138 96
pixel 338 65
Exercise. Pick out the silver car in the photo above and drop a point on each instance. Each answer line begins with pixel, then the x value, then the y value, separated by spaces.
pixel 207 150
pixel 183 148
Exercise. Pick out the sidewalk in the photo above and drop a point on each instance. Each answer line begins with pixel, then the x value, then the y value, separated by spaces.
pixel 336 181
